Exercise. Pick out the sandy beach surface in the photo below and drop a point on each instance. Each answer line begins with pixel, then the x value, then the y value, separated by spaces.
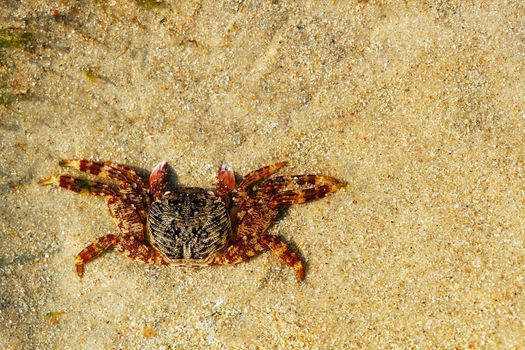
pixel 418 105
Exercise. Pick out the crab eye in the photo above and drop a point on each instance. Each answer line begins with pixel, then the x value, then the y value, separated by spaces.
pixel 199 203
pixel 174 202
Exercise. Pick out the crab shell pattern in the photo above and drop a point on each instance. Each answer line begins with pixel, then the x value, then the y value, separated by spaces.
pixel 192 226
pixel 188 225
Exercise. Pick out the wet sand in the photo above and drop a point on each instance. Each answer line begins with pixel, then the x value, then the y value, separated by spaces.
pixel 419 107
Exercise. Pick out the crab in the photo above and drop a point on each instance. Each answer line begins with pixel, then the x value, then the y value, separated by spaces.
pixel 189 225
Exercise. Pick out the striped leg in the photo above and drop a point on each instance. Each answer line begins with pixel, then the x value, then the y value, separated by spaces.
pixel 127 246
pixel 107 170
pixel 93 168
pixel 81 186
pixel 241 250
pixel 285 253
pixel 133 242
pixel 131 184
pixel 126 217
pixel 129 174
pixel 93 251
pixel 134 189
pixel 318 186
pixel 259 174
pixel 124 214
pixel 123 209
pixel 139 251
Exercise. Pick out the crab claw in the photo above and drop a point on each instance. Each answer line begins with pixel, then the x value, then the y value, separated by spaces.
pixel 225 179
pixel 158 179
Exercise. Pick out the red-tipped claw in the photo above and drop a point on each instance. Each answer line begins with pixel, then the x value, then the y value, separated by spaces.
pixel 158 179
pixel 225 179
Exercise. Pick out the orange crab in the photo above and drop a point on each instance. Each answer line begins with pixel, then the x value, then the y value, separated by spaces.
pixel 190 225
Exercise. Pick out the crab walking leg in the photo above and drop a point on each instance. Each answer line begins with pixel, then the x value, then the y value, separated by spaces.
pixel 298 181
pixel 125 216
pixel 81 186
pixel 93 168
pixel 138 193
pixel 128 173
pixel 93 251
pixel 241 250
pixel 132 242
pixel 259 174
pixel 322 185
pixel 139 251
pixel 251 226
pixel 127 246
pixel 107 170
pixel 132 186
pixel 285 253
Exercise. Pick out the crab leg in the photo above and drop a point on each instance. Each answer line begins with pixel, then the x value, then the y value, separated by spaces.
pixel 93 168
pixel 107 170
pixel 127 246
pixel 299 181
pixel 133 243
pixel 285 253
pixel 93 251
pixel 96 248
pixel 79 185
pixel 138 251
pixel 322 185
pixel 125 216
pixel 245 246
pixel 130 174
pixel 258 175
pixel 250 242
pixel 131 184
pixel 244 249
pixel 240 250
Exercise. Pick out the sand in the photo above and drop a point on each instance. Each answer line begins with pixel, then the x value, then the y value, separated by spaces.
pixel 418 105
